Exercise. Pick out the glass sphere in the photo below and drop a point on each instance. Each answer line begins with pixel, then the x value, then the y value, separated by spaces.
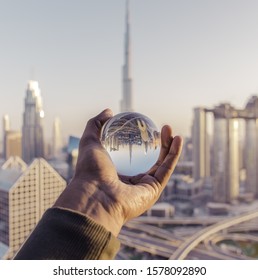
pixel 132 141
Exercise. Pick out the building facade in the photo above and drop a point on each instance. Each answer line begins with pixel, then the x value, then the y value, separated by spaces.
pixel 13 144
pixel 251 147
pixel 25 194
pixel 6 128
pixel 57 138
pixel 32 129
pixel 226 159
pixel 234 149
pixel 201 154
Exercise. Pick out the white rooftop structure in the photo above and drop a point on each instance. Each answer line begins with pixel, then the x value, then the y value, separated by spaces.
pixel 8 177
pixel 26 192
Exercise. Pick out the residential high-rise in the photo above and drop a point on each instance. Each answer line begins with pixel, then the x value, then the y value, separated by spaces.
pixel 32 130
pixel 127 98
pixel 25 194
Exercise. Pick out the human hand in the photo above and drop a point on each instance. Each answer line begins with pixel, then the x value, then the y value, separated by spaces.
pixel 96 190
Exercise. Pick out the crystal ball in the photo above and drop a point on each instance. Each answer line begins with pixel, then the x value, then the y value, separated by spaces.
pixel 132 141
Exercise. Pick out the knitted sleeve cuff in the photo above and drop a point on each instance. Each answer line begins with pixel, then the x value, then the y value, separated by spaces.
pixel 68 235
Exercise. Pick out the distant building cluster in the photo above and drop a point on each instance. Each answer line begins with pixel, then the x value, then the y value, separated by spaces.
pixel 29 184
pixel 29 143
pixel 229 153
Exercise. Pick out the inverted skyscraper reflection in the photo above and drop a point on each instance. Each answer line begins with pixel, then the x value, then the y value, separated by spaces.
pixel 132 141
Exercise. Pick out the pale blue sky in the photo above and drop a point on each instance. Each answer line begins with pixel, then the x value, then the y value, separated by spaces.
pixel 185 53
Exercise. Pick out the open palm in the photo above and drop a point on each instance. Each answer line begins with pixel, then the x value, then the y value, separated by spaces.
pixel 99 192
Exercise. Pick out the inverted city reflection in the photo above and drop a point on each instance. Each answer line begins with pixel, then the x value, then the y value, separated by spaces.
pixel 132 141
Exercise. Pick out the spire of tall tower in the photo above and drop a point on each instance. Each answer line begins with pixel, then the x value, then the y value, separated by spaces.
pixel 127 39
pixel 127 102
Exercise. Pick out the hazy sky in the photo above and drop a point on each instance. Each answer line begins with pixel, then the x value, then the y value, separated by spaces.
pixel 185 53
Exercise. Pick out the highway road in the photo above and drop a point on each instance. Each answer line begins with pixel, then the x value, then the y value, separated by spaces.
pixel 178 244
pixel 189 244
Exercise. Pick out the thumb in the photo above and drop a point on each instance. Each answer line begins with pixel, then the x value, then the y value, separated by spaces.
pixel 94 125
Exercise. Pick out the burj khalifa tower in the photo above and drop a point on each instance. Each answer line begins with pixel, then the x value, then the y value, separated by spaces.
pixel 127 99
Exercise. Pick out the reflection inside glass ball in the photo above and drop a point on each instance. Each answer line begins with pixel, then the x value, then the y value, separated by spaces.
pixel 132 141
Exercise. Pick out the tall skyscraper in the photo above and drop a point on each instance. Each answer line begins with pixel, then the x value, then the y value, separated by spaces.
pixel 25 194
pixel 251 147
pixel 235 149
pixel 6 128
pixel 32 130
pixel 127 99
pixel 201 154
pixel 6 122
pixel 226 154
pixel 57 138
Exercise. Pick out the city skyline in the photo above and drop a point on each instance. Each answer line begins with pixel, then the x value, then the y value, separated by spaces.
pixel 183 56
pixel 191 65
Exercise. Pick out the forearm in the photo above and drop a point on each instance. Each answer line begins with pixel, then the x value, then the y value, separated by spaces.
pixel 65 234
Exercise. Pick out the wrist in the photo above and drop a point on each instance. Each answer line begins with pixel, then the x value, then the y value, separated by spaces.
pixel 87 199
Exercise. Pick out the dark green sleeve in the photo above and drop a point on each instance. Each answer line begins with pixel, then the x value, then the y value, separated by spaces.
pixel 62 234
